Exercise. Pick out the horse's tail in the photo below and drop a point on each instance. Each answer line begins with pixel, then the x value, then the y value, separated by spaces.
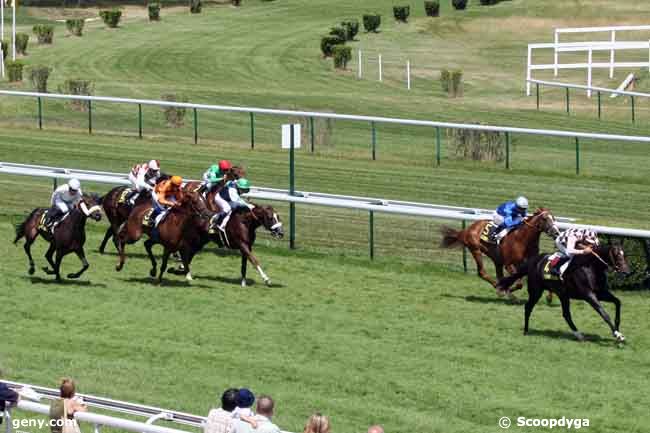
pixel 450 237
pixel 20 228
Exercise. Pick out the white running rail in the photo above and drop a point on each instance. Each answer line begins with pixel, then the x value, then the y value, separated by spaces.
pixel 319 199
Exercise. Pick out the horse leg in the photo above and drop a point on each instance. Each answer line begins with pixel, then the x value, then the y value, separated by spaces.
pixel 593 301
pixel 244 261
pixel 107 236
pixel 478 258
pixel 82 256
pixel 566 313
pixel 533 296
pixel 163 265
pixel 49 257
pixel 57 264
pixel 607 296
pixel 125 237
pixel 28 251
pixel 246 252
pixel 520 284
pixel 186 257
pixel 148 245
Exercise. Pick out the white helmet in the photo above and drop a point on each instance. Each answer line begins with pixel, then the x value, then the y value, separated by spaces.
pixel 522 202
pixel 154 165
pixel 74 184
pixel 591 237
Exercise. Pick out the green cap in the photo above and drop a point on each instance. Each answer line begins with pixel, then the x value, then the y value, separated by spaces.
pixel 243 183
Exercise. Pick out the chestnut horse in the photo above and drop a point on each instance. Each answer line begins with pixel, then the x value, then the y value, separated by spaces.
pixel 518 245
pixel 68 236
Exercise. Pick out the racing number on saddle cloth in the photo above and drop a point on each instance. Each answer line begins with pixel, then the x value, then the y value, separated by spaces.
pixel 485 234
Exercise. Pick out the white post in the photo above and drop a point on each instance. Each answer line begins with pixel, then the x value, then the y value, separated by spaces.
pixel 380 71
pixel 359 64
pixel 589 62
pixel 648 55
pixel 528 75
pixel 408 74
pixel 611 55
pixel 557 41
pixel 13 31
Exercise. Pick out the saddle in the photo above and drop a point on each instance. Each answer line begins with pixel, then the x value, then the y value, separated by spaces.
pixel 487 235
pixel 43 227
pixel 124 196
pixel 552 264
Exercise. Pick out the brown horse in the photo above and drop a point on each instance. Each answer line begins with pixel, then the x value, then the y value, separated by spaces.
pixel 240 234
pixel 515 248
pixel 170 231
pixel 68 236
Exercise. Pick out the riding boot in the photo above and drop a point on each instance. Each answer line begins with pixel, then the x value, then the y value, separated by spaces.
pixel 52 217
pixel 223 217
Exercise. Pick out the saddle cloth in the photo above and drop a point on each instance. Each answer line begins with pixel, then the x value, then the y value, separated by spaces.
pixel 43 227
pixel 146 218
pixel 124 195
pixel 550 263
pixel 485 234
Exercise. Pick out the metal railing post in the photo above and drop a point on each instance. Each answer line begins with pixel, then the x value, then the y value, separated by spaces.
pixel 537 90
pixel 567 100
pixel 632 103
pixel 140 120
pixel 371 234
pixel 599 107
pixel 253 130
pixel 312 133
pixel 438 145
pixel 464 226
pixel 508 150
pixel 90 116
pixel 196 125
pixel 55 182
pixel 40 112
pixel 577 156
pixel 374 141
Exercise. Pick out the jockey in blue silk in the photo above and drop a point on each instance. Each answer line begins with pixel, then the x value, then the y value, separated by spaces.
pixel 508 216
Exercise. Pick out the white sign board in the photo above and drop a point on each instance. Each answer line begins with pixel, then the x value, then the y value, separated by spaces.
pixel 286 136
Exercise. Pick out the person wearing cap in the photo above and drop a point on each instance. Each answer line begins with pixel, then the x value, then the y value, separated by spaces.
pixel 570 243
pixel 215 174
pixel 220 420
pixel 64 199
pixel 261 422
pixel 143 177
pixel 508 216
pixel 167 194
pixel 229 199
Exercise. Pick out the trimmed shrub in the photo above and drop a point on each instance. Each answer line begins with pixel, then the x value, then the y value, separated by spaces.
pixel 44 33
pixel 327 44
pixel 236 3
pixel 339 32
pixel 111 17
pixel 477 145
pixel 401 13
pixel 75 26
pixel 5 48
pixel 371 23
pixel 459 4
pixel 21 42
pixel 351 29
pixel 432 8
pixel 456 84
pixel 195 6
pixel 14 70
pixel 77 87
pixel 154 11
pixel 342 55
pixel 174 115
pixel 38 75
pixel 445 79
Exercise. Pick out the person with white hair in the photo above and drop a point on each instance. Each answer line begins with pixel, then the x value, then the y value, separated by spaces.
pixel 64 199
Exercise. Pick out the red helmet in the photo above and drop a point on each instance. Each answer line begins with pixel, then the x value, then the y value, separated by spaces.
pixel 224 165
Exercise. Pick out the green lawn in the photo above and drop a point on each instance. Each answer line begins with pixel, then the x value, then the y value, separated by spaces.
pixel 409 341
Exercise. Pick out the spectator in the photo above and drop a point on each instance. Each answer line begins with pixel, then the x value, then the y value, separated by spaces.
pixel 6 395
pixel 221 420
pixel 265 410
pixel 375 429
pixel 245 400
pixel 66 406
pixel 317 423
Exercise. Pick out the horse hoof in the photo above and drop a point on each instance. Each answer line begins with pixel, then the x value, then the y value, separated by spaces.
pixel 501 293
pixel 268 283
pixel 188 277
pixel 31 271
pixel 118 268
pixel 48 271
pixel 619 337
pixel 152 272
pixel 243 283
pixel 579 336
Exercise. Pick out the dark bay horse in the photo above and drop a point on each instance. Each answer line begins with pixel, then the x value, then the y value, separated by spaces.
pixel 240 234
pixel 516 247
pixel 69 235
pixel 585 279
pixel 169 232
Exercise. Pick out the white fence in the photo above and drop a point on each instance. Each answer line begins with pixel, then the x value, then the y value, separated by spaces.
pixel 381 62
pixel 318 199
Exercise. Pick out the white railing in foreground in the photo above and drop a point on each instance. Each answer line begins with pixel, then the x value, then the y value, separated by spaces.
pixel 609 29
pixel 370 119
pixel 318 199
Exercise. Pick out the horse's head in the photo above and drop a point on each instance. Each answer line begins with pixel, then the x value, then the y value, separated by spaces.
pixel 235 173
pixel 194 203
pixel 544 221
pixel 615 257
pixel 267 216
pixel 90 206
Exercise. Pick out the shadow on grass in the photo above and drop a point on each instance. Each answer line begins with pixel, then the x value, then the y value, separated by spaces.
pixel 167 282
pixel 236 281
pixel 566 335
pixel 486 299
pixel 64 282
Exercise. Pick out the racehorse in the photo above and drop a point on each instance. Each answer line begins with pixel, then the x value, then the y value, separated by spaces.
pixel 169 232
pixel 516 247
pixel 585 279
pixel 68 235
pixel 240 234
pixel 234 173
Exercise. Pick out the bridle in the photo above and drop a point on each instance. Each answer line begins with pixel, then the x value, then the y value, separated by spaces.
pixel 542 214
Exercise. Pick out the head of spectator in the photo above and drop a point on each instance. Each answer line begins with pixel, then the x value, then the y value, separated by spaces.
pixel 265 406
pixel 229 399
pixel 317 423
pixel 245 398
pixel 375 429
pixel 67 388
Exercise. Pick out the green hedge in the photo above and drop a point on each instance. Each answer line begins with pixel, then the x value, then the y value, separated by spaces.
pixel 459 4
pixel 195 6
pixel 432 8
pixel 111 17
pixel 39 76
pixel 21 42
pixel 77 87
pixel 75 26
pixel 154 11
pixel 342 55
pixel 371 22
pixel 401 13
pixel 351 29
pixel 44 33
pixel 327 44
pixel 5 48
pixel 14 70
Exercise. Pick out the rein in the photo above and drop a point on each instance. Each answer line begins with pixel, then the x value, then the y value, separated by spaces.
pixel 600 258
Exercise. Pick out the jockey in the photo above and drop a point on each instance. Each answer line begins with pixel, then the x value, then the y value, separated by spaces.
pixel 167 194
pixel 64 198
pixel 570 243
pixel 509 215
pixel 229 199
pixel 143 177
pixel 215 174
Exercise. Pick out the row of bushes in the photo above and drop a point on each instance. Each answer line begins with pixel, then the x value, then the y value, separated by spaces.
pixel 432 8
pixel 452 82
